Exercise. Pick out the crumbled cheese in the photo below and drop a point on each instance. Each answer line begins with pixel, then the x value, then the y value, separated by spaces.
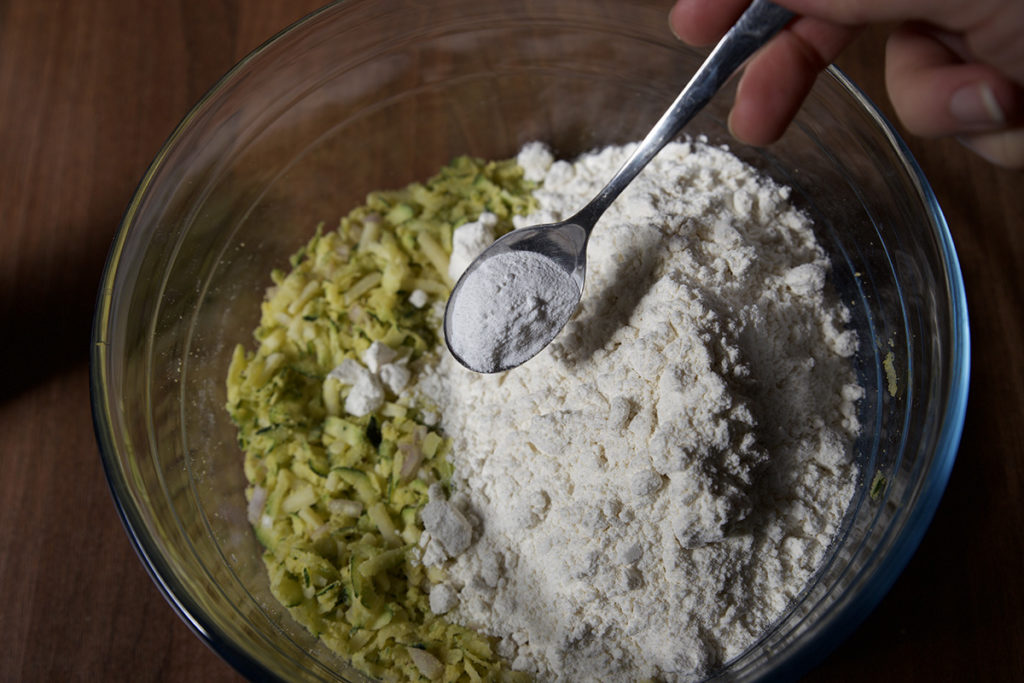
pixel 365 393
pixel 395 376
pixel 443 598
pixel 377 355
pixel 446 523
pixel 366 382
pixel 418 298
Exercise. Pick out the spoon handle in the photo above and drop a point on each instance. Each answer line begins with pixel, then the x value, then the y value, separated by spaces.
pixel 760 21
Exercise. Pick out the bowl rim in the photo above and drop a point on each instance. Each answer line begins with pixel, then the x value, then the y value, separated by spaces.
pixel 147 551
pixel 795 662
pixel 844 620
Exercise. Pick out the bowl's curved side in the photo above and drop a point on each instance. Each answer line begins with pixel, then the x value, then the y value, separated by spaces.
pixel 326 111
pixel 127 443
pixel 921 413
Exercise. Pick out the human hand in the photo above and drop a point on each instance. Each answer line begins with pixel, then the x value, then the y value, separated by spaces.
pixel 952 67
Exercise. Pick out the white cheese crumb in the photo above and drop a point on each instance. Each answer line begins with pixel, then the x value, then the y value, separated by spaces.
pixel 418 298
pixel 395 376
pixel 446 524
pixel 377 355
pixel 443 598
pixel 365 391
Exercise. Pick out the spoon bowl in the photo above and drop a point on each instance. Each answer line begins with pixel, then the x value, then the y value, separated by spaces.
pixel 564 245
pixel 538 272
pixel 564 242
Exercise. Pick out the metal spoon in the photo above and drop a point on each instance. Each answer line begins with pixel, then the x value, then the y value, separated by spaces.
pixel 565 243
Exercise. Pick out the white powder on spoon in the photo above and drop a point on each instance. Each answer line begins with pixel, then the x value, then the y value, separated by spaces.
pixel 649 493
pixel 509 308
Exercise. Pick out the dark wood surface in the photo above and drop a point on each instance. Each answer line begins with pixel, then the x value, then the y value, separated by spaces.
pixel 88 92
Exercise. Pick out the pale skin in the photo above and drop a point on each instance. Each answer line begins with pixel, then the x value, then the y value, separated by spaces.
pixel 952 67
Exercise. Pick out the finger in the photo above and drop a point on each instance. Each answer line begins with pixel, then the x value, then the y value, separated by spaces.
pixel 1004 148
pixel 951 14
pixel 703 22
pixel 991 29
pixel 935 93
pixel 778 78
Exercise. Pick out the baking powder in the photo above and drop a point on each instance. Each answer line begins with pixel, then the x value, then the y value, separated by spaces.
pixel 508 308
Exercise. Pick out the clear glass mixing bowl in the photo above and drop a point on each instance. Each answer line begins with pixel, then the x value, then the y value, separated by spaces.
pixel 373 94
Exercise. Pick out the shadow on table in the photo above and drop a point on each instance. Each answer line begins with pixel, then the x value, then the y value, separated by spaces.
pixel 46 310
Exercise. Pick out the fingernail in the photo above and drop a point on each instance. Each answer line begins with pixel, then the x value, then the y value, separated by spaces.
pixel 671 21
pixel 976 104
pixel 1001 148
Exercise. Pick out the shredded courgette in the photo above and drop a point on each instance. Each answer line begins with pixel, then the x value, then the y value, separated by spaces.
pixel 342 492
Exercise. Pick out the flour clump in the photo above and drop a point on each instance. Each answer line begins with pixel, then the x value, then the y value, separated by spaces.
pixel 468 240
pixel 653 489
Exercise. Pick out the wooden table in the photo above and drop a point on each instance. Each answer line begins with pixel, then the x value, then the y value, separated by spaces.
pixel 88 92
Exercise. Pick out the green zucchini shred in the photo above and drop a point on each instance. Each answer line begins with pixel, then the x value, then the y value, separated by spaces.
pixel 340 524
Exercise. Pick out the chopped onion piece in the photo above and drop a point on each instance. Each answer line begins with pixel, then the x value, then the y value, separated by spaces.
pixel 429 665
pixel 342 506
pixel 412 457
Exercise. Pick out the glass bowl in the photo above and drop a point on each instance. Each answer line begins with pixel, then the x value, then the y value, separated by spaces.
pixel 374 94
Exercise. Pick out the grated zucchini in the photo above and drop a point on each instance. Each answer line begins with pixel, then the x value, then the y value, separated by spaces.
pixel 340 521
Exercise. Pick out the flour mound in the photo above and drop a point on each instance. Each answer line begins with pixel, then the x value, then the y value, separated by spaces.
pixel 650 492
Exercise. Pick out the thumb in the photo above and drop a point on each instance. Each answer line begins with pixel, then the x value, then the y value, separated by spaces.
pixel 936 93
pixel 1003 148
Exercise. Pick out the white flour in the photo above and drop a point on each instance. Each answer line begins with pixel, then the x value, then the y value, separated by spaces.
pixel 645 496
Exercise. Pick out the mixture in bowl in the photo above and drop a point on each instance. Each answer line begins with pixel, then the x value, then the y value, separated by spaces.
pixel 641 500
